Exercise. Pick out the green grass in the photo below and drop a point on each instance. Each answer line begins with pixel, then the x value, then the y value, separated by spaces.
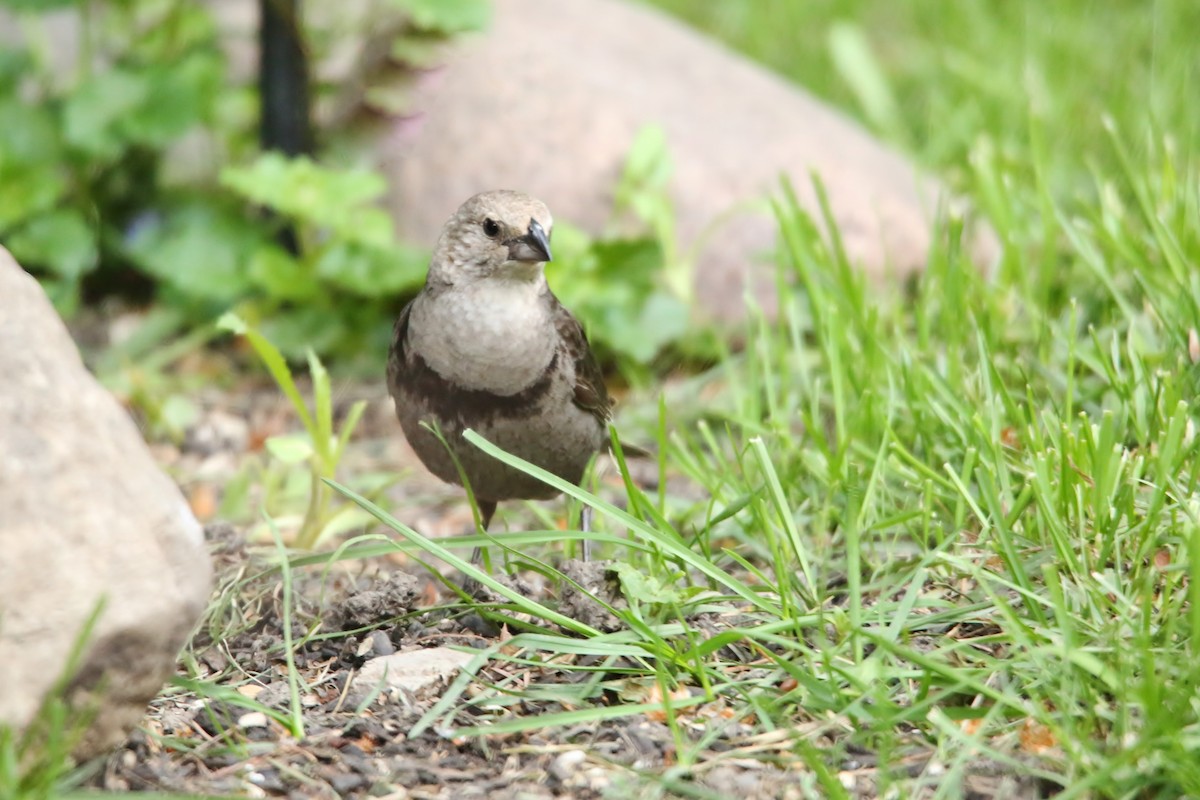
pixel 958 519
pixel 965 512
pixel 954 75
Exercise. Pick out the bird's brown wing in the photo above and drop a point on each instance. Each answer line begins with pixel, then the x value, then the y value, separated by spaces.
pixel 396 355
pixel 590 392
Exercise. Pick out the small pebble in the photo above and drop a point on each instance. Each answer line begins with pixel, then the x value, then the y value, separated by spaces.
pixel 567 764
pixel 255 719
pixel 344 784
pixel 382 644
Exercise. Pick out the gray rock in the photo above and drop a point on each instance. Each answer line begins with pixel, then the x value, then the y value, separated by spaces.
pixel 408 672
pixel 550 100
pixel 85 516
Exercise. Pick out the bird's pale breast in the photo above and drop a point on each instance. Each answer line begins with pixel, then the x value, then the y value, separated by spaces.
pixel 493 336
pixel 463 367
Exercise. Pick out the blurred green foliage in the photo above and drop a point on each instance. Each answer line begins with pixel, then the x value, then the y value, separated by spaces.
pixel 82 144
pixel 632 292
pixel 129 166
pixel 101 187
pixel 938 78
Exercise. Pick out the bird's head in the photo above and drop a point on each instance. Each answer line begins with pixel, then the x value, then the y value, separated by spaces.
pixel 500 234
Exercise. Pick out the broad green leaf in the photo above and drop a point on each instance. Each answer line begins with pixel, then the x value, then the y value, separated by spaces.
pixel 176 99
pixel 281 275
pixel 329 198
pixel 61 241
pixel 29 134
pixel 27 190
pixel 370 226
pixel 419 51
pixel 198 249
pixel 371 271
pixel 391 99
pixel 634 262
pixel 95 114
pixel 188 30
pixel 32 174
pixel 643 586
pixel 571 245
pixel 14 64
pixel 641 333
pixel 449 16
pixel 295 330
pixel 63 295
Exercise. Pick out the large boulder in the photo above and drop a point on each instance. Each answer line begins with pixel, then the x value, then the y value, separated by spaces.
pixel 551 98
pixel 87 521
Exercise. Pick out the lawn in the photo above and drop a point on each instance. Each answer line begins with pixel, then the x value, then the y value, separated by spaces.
pixel 932 540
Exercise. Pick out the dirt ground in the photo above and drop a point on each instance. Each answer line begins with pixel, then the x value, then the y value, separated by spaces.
pixel 359 744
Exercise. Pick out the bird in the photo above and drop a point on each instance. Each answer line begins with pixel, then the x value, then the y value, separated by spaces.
pixel 485 345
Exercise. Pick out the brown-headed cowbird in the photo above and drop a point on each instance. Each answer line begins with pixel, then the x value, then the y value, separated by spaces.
pixel 486 345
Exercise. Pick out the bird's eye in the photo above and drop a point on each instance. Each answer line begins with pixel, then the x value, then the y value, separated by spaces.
pixel 491 228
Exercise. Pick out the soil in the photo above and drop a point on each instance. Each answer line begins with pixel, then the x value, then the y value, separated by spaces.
pixel 355 745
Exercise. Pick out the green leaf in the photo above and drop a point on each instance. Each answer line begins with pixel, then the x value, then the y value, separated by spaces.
pixel 32 173
pixel 339 200
pixel 176 99
pixel 371 271
pixel 290 448
pixel 281 276
pixel 94 114
pixel 419 50
pixel 231 322
pixel 185 29
pixel 322 410
pixel 648 164
pixel 640 585
pixel 639 333
pixel 613 289
pixel 449 16
pixel 61 241
pixel 274 362
pixel 63 295
pixel 391 99
pixel 199 250
pixel 634 262
pixel 29 134
pixel 14 64
pixel 296 330
pixel 663 319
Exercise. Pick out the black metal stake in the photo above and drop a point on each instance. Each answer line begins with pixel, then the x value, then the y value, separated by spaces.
pixel 283 87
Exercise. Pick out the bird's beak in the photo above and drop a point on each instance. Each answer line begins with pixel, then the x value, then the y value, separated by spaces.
pixel 533 247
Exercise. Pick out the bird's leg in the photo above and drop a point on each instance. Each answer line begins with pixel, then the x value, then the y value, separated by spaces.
pixel 585 525
pixel 486 509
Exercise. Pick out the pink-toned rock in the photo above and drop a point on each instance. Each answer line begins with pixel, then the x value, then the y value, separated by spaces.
pixel 87 519
pixel 551 98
